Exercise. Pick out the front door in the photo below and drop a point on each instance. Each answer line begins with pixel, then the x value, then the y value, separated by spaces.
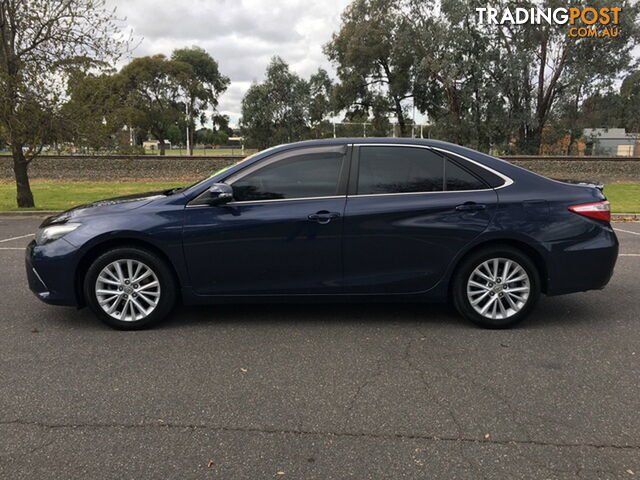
pixel 280 235
pixel 409 212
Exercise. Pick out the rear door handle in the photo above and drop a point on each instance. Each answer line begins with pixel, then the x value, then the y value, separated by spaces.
pixel 471 207
pixel 323 216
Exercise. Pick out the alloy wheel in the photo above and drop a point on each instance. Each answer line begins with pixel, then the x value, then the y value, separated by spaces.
pixel 127 290
pixel 498 288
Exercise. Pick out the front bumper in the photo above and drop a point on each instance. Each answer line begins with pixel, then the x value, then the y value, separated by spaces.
pixel 51 270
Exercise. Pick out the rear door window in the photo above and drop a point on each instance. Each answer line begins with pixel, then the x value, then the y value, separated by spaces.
pixel 457 178
pixel 388 169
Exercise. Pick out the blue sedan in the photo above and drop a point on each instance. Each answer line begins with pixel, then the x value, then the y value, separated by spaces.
pixel 332 220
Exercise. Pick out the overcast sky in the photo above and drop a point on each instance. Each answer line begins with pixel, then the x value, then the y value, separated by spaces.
pixel 242 35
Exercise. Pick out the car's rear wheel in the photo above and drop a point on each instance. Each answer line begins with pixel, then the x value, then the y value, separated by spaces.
pixel 496 287
pixel 129 288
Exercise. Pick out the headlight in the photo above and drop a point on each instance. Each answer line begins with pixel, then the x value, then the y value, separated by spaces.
pixel 53 232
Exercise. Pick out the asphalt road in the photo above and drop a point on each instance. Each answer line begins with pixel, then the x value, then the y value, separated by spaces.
pixel 321 392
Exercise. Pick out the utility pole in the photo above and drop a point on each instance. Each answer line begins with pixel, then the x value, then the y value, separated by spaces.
pixel 413 125
pixel 186 110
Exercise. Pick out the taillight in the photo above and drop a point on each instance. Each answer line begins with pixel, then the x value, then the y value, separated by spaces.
pixel 599 210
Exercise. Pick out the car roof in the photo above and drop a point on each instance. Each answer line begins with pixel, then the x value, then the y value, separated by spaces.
pixel 361 140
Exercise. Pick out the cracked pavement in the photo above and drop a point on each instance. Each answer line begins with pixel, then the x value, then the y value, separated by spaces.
pixel 323 391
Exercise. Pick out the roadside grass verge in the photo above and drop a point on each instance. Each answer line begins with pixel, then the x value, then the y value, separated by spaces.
pixel 61 195
pixel 624 197
pixel 207 152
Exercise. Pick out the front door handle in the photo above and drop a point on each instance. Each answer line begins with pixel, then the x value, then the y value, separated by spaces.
pixel 323 216
pixel 471 207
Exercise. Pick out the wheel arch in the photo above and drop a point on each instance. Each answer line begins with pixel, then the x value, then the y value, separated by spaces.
pixel 108 244
pixel 534 254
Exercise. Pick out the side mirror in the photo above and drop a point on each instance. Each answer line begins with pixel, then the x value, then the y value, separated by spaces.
pixel 220 193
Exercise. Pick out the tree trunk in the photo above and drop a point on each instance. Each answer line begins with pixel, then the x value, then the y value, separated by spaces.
pixel 161 146
pixel 532 141
pixel 24 196
pixel 400 115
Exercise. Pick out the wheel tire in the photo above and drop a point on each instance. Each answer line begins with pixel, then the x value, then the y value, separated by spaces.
pixel 165 278
pixel 466 269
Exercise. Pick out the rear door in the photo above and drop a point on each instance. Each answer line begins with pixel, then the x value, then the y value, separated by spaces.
pixel 280 235
pixel 409 211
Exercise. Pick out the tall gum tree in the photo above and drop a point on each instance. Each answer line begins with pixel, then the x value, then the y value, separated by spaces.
pixel 276 110
pixel 200 89
pixel 41 41
pixel 372 58
pixel 153 87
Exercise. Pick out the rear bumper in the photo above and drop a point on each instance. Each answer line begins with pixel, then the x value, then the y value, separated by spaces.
pixel 50 272
pixel 585 265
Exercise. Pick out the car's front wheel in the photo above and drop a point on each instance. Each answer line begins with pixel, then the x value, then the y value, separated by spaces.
pixel 129 288
pixel 496 287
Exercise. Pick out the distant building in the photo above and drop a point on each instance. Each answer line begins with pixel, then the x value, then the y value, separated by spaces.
pixel 155 145
pixel 235 142
pixel 611 141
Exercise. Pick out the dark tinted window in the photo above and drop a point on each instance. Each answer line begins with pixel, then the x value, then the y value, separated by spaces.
pixel 491 179
pixel 310 175
pixel 399 170
pixel 458 178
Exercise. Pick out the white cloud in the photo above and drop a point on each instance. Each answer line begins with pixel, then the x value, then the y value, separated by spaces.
pixel 241 35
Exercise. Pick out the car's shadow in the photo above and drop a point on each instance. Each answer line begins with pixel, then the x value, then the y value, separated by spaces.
pixel 566 310
pixel 328 313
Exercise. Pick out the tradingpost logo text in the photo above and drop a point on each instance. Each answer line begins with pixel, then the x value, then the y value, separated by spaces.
pixel 583 22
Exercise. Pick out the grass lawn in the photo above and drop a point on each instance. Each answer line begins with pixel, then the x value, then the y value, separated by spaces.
pixel 60 195
pixel 208 152
pixel 624 197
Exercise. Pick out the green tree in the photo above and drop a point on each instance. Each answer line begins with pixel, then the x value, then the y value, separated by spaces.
pixel 202 87
pixel 630 96
pixel 93 116
pixel 320 104
pixel 208 136
pixel 221 124
pixel 455 74
pixel 176 135
pixel 277 110
pixel 372 58
pixel 508 81
pixel 41 41
pixel 562 63
pixel 153 87
pixel 204 136
pixel 483 85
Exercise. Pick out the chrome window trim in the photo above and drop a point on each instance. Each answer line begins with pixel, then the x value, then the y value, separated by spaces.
pixel 278 157
pixel 507 180
pixel 416 193
pixel 238 175
pixel 339 149
pixel 243 202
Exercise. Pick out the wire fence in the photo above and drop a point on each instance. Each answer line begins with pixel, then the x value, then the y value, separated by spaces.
pixel 367 129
